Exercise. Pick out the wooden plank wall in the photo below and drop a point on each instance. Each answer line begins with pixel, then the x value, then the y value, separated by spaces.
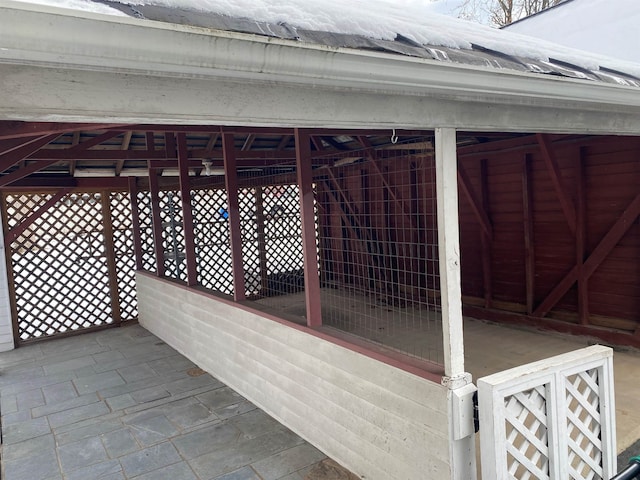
pixel 549 230
pixel 566 236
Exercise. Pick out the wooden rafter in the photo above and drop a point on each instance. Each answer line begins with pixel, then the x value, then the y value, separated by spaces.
pixel 245 130
pixel 12 129
pixel 25 171
pixel 150 141
pixel 72 163
pixel 248 142
pixel 11 144
pixel 16 155
pixel 559 184
pixel 317 143
pixel 126 141
pixel 284 141
pixel 92 142
pixel 213 139
pixel 333 143
pixel 114 154
pixel 170 145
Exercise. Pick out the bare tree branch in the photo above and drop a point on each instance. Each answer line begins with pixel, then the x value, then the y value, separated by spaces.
pixel 502 12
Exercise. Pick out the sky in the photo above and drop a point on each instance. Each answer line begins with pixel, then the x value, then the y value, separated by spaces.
pixel 609 27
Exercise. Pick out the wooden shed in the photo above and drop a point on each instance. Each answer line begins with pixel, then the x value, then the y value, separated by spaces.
pixel 307 214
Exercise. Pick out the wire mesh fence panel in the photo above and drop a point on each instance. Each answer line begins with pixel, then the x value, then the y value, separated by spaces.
pixel 58 265
pixel 146 231
pixel 173 235
pixel 120 207
pixel 378 249
pixel 211 233
pixel 272 239
pixel 283 240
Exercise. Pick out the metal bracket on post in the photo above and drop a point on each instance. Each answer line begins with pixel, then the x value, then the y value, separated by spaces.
pixel 459 381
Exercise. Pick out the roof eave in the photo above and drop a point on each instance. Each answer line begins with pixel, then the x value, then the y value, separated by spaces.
pixel 36 38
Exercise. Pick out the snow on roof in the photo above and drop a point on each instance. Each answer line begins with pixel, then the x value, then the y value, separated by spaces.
pixel 607 27
pixel 381 21
pixel 83 5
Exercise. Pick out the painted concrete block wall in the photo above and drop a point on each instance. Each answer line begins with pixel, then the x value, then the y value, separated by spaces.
pixel 6 330
pixel 377 420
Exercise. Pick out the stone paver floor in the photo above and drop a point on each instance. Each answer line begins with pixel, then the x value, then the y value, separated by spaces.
pixel 121 404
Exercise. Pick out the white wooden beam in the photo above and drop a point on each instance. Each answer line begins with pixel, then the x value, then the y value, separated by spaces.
pixel 460 397
pixel 449 251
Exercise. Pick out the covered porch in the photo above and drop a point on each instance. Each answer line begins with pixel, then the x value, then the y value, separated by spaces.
pixel 307 222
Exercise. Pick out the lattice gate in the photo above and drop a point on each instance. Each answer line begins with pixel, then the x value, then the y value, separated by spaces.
pixel 70 261
pixel 553 419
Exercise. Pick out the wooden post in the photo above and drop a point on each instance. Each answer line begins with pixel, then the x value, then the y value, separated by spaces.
pixel 262 239
pixel 581 238
pixel 485 239
pixel 233 207
pixel 187 214
pixel 110 253
pixel 135 222
pixel 449 251
pixel 305 185
pixel 529 255
pixel 154 190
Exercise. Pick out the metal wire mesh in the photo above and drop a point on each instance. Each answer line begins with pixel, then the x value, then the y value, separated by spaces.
pixel 59 268
pixel 272 240
pixel 378 250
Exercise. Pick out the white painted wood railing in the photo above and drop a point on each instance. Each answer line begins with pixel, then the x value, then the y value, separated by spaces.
pixel 553 419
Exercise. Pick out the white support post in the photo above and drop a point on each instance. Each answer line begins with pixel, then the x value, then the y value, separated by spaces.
pixel 460 396
pixel 449 251
pixel 6 326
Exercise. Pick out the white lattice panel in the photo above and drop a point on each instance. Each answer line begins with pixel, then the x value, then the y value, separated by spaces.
pixel 552 419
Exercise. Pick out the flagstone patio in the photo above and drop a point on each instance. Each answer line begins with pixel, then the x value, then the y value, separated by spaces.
pixel 121 404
